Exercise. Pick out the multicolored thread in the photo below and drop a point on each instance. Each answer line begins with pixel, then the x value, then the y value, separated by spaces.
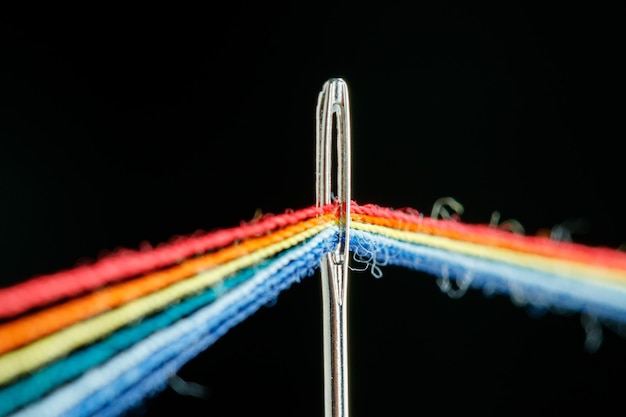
pixel 129 324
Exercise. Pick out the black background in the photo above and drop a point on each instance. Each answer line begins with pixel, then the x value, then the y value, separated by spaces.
pixel 122 126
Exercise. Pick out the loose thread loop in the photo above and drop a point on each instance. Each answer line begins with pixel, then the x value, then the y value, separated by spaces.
pixel 445 285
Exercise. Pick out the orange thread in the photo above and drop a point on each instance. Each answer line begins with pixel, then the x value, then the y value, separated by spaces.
pixel 27 329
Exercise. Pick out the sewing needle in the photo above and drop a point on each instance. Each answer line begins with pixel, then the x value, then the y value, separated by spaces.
pixel 333 117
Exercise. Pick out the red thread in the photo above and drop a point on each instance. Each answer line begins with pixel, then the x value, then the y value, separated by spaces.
pixel 29 328
pixel 46 289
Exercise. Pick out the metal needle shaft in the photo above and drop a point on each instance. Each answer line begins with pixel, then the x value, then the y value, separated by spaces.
pixel 333 117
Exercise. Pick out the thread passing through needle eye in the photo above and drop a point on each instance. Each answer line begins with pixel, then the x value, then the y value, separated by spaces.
pixel 333 118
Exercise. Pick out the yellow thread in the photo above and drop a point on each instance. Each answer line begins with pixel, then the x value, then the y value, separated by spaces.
pixel 56 345
pixel 612 278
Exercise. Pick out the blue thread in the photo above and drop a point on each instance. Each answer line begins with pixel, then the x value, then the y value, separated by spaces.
pixel 150 376
pixel 525 286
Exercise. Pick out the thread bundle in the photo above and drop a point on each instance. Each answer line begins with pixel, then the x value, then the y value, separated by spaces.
pixel 97 339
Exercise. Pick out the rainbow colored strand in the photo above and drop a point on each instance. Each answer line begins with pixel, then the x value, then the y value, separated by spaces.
pixel 98 339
